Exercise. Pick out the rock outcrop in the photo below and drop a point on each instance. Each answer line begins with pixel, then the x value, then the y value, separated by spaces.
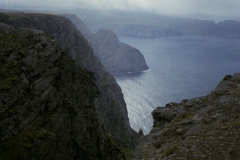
pixel 117 57
pixel 201 128
pixel 47 108
pixel 110 105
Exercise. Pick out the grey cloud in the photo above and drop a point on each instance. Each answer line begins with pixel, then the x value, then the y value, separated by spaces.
pixel 173 7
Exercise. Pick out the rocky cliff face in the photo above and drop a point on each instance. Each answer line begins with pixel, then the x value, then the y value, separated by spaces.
pixel 201 128
pixel 111 107
pixel 81 27
pixel 47 108
pixel 117 57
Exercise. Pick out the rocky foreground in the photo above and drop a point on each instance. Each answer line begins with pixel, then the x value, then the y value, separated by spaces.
pixel 207 127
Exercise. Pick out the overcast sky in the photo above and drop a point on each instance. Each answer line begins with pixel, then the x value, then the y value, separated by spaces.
pixel 227 8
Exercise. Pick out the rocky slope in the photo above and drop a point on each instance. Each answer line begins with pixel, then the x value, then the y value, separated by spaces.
pixel 111 107
pixel 117 57
pixel 47 108
pixel 201 128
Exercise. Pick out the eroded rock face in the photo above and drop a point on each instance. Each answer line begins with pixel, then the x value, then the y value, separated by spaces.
pixel 111 107
pixel 201 128
pixel 163 114
pixel 82 27
pixel 117 57
pixel 47 108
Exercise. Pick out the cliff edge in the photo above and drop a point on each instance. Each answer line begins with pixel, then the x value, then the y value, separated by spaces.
pixel 201 128
pixel 117 57
pixel 47 108
pixel 110 105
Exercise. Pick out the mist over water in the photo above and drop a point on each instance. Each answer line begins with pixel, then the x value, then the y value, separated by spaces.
pixel 203 9
pixel 180 68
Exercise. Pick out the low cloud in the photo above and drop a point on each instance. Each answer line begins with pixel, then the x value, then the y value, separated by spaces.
pixel 171 7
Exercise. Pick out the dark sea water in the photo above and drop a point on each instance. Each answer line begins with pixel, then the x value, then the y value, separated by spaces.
pixel 180 68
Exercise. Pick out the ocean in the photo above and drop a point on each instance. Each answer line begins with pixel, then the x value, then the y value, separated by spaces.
pixel 181 67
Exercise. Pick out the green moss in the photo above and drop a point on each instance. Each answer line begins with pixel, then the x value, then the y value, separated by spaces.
pixel 112 140
pixel 165 133
pixel 128 152
pixel 9 74
pixel 10 43
pixel 159 143
pixel 17 146
pixel 59 84
pixel 23 52
pixel 7 83
pixel 9 71
pixel 3 17
pixel 226 126
pixel 187 116
pixel 171 150
pixel 217 93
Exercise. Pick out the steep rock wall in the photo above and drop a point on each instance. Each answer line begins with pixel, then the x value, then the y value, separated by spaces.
pixel 111 107
pixel 117 57
pixel 47 108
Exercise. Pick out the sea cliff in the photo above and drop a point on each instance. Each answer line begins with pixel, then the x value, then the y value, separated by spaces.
pixel 117 57
pixel 47 108
pixel 201 128
pixel 110 105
